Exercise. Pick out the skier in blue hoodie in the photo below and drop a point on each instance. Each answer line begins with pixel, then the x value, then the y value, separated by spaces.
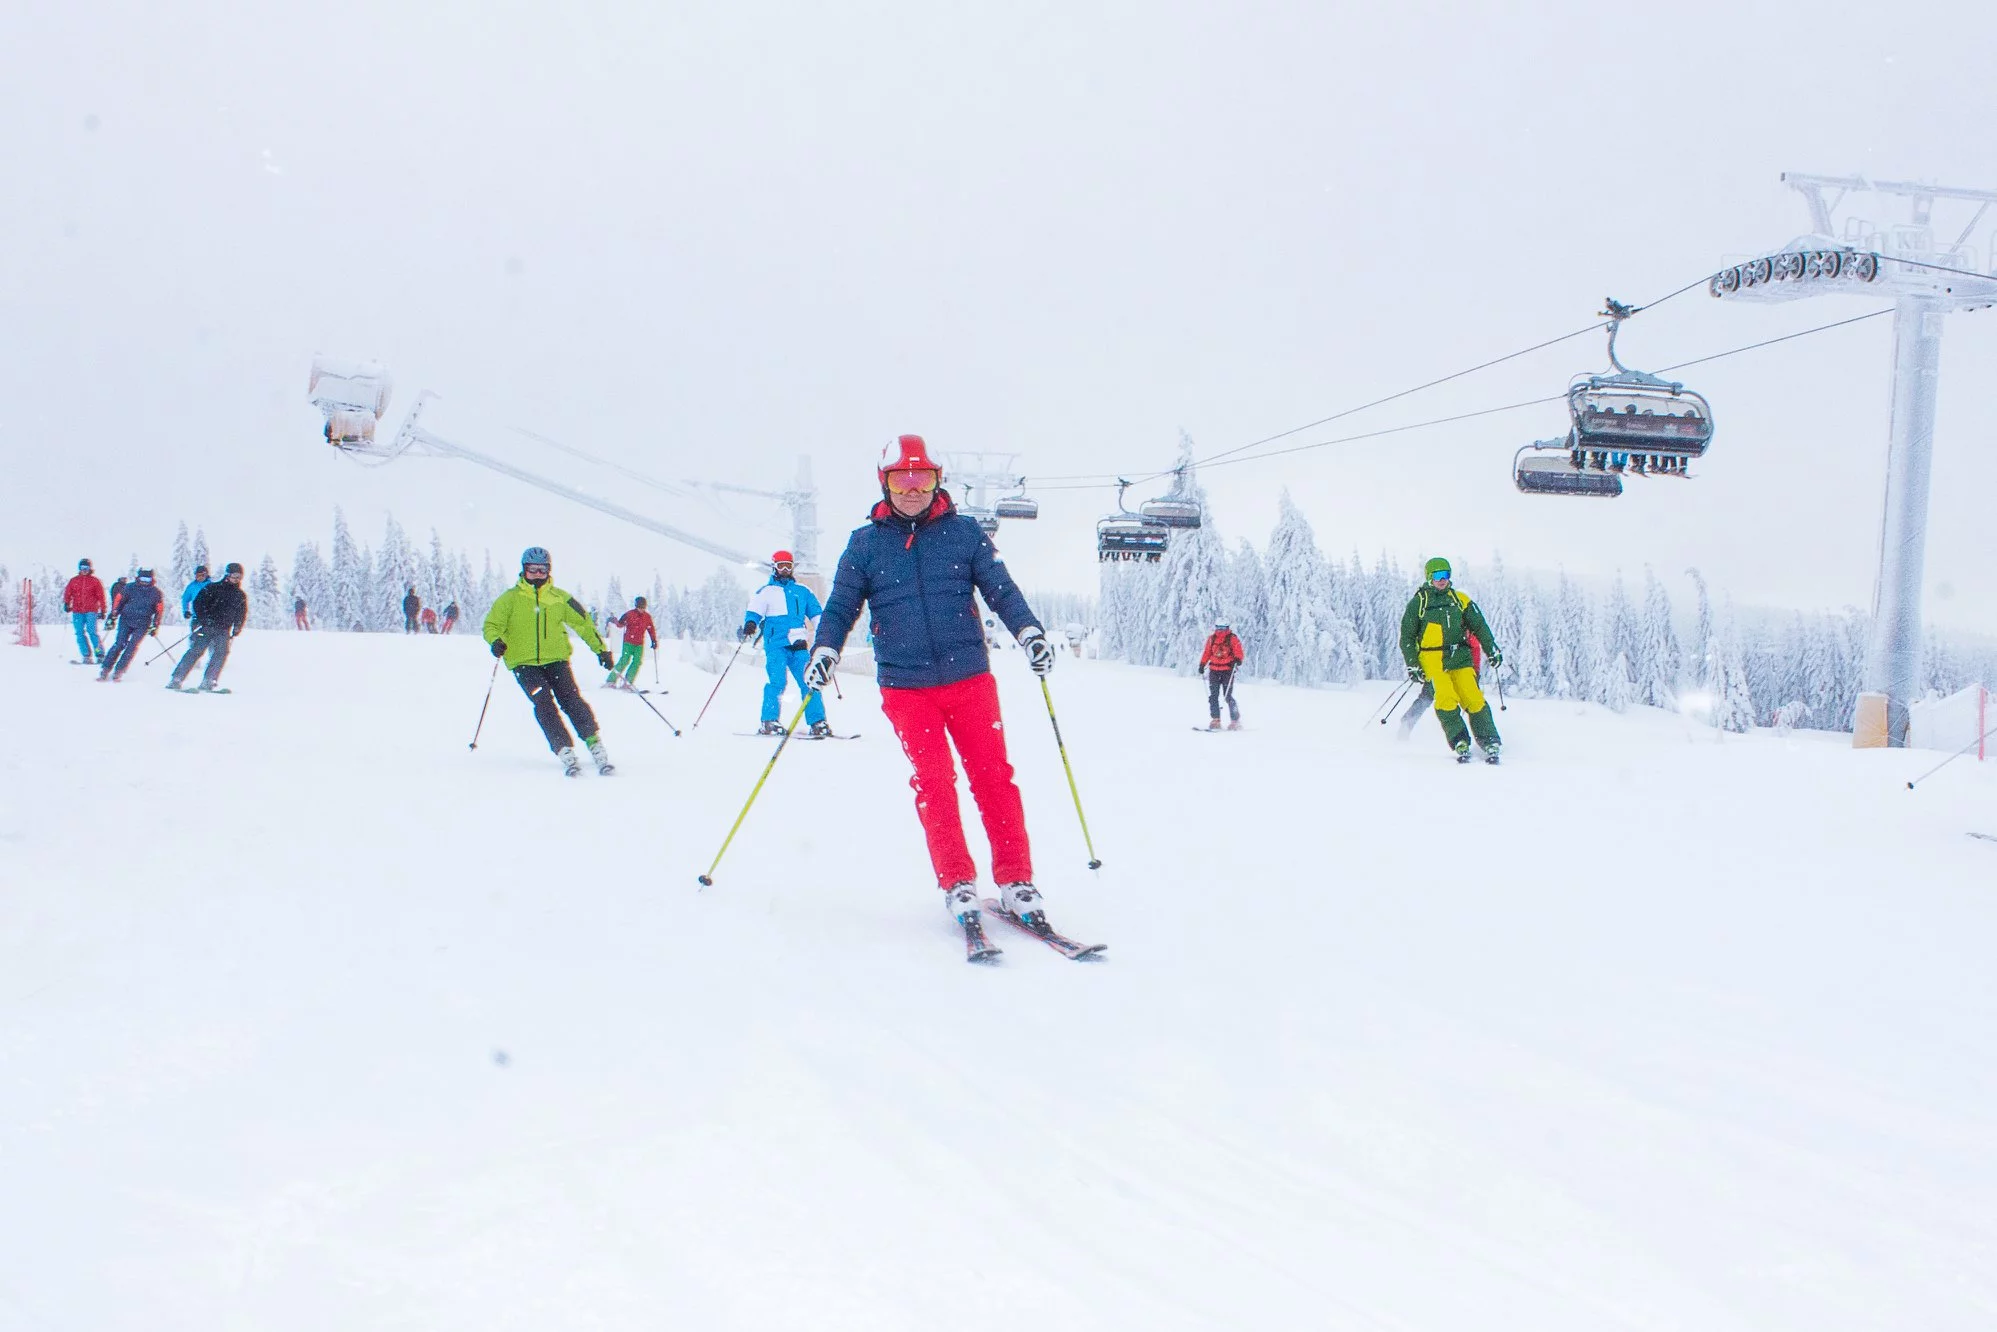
pixel 786 613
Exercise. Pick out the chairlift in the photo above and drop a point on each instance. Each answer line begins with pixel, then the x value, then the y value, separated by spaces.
pixel 1128 537
pixel 988 522
pixel 1626 421
pixel 1017 506
pixel 1169 512
pixel 352 398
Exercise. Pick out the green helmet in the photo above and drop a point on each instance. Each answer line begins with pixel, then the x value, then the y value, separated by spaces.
pixel 1438 565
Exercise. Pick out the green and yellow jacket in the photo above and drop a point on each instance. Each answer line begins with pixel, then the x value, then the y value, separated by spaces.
pixel 1443 622
pixel 531 621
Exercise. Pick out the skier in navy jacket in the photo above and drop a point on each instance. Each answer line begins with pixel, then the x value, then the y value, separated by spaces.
pixel 138 615
pixel 915 564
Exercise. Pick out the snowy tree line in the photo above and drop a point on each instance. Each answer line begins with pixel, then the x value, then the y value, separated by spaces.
pixel 1312 619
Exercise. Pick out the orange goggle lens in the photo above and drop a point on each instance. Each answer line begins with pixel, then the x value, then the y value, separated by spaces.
pixel 911 480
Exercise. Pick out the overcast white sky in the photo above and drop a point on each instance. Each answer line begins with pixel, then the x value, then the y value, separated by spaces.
pixel 704 238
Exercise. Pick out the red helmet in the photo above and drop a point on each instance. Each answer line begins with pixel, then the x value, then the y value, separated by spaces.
pixel 782 557
pixel 907 453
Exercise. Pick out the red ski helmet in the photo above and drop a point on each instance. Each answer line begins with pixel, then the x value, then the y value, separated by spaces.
pixel 782 557
pixel 906 453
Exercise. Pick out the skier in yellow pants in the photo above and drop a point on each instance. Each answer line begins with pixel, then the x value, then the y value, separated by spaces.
pixel 1436 630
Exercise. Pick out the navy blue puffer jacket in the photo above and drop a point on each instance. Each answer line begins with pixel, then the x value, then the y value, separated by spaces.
pixel 916 574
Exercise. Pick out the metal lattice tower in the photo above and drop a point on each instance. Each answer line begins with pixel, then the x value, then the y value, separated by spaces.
pixel 1891 255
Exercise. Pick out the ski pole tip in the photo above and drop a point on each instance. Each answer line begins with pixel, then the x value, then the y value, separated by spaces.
pixel 1095 864
pixel 706 882
pixel 1910 786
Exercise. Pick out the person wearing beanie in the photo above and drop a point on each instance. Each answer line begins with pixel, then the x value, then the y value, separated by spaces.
pixel 221 609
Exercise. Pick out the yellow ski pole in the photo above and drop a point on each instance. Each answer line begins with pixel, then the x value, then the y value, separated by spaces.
pixel 707 879
pixel 1048 694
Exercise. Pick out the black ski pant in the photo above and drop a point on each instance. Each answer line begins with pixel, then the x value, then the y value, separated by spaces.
pixel 1220 684
pixel 123 648
pixel 549 685
pixel 199 640
pixel 1424 702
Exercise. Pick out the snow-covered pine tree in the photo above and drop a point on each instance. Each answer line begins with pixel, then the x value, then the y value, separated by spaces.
pixel 1193 577
pixel 1296 599
pixel 1248 600
pixel 1700 661
pixel 1657 659
pixel 613 597
pixel 1733 700
pixel 201 552
pixel 394 575
pixel 343 608
pixel 266 596
pixel 179 574
pixel 1570 634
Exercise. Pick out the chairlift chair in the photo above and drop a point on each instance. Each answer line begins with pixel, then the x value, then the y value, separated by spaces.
pixel 1017 506
pixel 1129 537
pixel 1170 512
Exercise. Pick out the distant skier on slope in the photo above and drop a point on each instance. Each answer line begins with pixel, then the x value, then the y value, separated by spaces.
pixel 785 612
pixel 220 612
pixel 411 606
pixel 1218 662
pixel 83 598
pixel 1435 631
pixel 450 621
pixel 299 620
pixel 915 563
pixel 528 628
pixel 637 626
pixel 191 591
pixel 139 607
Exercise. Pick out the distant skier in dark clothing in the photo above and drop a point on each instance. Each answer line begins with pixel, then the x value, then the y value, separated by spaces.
pixel 117 591
pixel 450 619
pixel 139 606
pixel 411 606
pixel 299 619
pixel 1218 661
pixel 220 611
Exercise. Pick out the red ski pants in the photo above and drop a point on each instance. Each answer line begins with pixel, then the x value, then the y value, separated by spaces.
pixel 968 711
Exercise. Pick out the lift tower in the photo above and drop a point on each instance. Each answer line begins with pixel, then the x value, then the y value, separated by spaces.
pixel 1891 255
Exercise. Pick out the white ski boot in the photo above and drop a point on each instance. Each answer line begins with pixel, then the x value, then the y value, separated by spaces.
pixel 1024 900
pixel 962 902
pixel 604 767
pixel 571 765
pixel 769 728
pixel 821 730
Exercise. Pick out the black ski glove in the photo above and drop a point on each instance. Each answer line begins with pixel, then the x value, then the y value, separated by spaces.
pixel 605 660
pixel 747 631
pixel 498 647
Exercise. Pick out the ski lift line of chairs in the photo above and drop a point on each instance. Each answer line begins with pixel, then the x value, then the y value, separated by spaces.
pixel 1146 534
pixel 352 398
pixel 1624 422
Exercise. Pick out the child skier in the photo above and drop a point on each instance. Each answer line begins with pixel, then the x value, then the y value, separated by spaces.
pixel 637 625
pixel 1436 629
pixel 785 612
pixel 138 613
pixel 528 628
pixel 83 598
pixel 915 562
pixel 1217 662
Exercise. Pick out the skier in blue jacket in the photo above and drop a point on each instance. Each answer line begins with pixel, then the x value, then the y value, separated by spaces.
pixel 786 613
pixel 915 563
pixel 193 590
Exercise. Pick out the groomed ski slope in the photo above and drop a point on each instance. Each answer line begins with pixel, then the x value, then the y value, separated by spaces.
pixel 313 1019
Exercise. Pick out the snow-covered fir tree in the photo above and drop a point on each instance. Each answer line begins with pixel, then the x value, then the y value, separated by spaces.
pixel 266 597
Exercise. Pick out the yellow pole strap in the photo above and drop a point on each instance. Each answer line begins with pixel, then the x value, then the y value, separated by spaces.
pixel 707 879
pixel 1048 694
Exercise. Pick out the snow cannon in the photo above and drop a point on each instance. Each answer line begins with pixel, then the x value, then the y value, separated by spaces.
pixel 352 397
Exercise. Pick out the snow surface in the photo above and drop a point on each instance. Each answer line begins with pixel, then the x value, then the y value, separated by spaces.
pixel 312 1018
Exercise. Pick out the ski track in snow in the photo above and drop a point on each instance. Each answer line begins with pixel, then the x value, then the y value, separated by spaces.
pixel 312 1018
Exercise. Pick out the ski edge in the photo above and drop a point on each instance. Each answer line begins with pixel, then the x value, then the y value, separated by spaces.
pixel 1054 939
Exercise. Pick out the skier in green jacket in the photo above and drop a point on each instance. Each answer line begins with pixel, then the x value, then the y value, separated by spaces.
pixel 528 628
pixel 1435 642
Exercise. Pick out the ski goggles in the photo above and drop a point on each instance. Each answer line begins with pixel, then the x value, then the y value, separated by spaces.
pixel 1439 576
pixel 911 480
pixel 541 569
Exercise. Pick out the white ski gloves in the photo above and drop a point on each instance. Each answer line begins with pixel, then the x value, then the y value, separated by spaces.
pixel 1039 652
pixel 818 673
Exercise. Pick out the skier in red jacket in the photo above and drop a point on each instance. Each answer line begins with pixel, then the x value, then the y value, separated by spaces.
pixel 638 626
pixel 83 598
pixel 1223 653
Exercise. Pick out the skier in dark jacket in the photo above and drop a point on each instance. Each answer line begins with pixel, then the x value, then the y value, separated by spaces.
pixel 915 564
pixel 412 606
pixel 138 612
pixel 221 609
